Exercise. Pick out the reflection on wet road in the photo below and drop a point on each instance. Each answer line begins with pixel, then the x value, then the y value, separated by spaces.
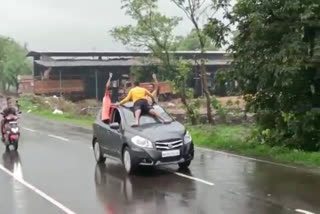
pixel 57 161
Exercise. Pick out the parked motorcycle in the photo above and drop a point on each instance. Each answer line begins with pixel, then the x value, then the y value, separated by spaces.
pixel 11 132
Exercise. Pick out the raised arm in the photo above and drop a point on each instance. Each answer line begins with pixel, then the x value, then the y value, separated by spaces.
pixel 156 82
pixel 150 95
pixel 127 99
pixel 156 87
pixel 109 81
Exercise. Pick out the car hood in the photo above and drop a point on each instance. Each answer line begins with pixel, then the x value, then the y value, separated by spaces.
pixel 160 132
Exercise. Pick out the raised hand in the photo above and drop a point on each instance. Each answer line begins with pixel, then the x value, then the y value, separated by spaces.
pixel 154 76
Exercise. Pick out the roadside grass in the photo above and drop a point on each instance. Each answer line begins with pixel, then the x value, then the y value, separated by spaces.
pixel 232 138
pixel 27 105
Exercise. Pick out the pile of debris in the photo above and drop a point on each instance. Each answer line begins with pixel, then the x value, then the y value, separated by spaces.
pixel 60 106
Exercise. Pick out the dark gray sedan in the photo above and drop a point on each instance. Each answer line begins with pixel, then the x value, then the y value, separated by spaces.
pixel 150 144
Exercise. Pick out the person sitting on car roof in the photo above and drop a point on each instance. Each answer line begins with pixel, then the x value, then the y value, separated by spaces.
pixel 141 106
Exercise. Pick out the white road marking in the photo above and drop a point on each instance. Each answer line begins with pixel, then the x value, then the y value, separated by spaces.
pixel 303 211
pixel 37 191
pixel 247 158
pixel 58 137
pixel 30 130
pixel 193 178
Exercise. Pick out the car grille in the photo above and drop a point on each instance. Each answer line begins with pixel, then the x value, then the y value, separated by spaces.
pixel 168 145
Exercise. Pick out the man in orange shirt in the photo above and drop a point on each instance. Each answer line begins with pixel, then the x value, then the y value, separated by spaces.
pixel 138 96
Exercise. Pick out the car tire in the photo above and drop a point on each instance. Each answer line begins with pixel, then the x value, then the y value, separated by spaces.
pixel 127 161
pixel 98 153
pixel 184 165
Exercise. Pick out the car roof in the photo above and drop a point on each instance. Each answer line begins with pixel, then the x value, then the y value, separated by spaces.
pixel 129 105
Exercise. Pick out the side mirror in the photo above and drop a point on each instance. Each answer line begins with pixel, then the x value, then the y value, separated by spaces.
pixel 115 126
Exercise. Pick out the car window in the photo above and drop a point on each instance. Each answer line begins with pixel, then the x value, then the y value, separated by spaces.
pixel 146 119
pixel 116 117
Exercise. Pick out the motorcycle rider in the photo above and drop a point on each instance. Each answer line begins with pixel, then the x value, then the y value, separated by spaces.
pixel 7 111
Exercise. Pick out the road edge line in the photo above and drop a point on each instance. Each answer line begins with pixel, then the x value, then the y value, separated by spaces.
pixel 194 178
pixel 59 138
pixel 303 211
pixel 38 191
pixel 248 158
pixel 30 130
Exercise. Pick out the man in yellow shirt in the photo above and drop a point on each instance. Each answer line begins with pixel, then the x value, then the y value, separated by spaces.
pixel 138 96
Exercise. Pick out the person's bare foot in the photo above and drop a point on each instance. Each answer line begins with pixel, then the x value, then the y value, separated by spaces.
pixel 135 125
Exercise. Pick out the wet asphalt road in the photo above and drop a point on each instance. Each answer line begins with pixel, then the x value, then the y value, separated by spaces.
pixel 58 161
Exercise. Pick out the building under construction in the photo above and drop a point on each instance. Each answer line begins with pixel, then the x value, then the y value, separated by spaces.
pixel 82 75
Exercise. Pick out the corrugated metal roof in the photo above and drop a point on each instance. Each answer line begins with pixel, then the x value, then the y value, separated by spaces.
pixel 186 54
pixel 109 63
pixel 88 63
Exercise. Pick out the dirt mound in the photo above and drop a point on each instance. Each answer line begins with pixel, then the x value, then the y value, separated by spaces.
pixel 60 105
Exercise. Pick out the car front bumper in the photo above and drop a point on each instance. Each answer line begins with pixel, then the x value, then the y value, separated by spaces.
pixel 153 157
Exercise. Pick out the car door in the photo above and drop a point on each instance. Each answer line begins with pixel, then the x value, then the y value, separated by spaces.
pixel 115 135
pixel 102 132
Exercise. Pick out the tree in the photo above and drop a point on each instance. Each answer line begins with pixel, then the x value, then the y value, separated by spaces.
pixel 276 66
pixel 153 31
pixel 191 43
pixel 12 62
pixel 194 10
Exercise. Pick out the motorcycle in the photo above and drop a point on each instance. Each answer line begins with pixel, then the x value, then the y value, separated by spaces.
pixel 11 132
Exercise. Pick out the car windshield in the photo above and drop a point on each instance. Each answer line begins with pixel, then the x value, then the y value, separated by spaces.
pixel 146 119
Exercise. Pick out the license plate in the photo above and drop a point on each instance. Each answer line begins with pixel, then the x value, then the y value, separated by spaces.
pixel 171 153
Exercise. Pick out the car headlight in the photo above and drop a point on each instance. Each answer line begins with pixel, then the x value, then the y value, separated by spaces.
pixel 142 142
pixel 187 138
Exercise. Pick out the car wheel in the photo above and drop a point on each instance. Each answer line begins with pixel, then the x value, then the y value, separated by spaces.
pixel 127 161
pixel 98 153
pixel 184 165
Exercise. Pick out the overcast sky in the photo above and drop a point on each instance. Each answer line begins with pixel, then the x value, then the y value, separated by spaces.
pixel 70 25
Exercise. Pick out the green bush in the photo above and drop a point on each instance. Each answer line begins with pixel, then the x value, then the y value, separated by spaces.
pixel 276 66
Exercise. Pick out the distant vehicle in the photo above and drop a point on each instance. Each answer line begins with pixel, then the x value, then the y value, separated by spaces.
pixel 11 132
pixel 150 144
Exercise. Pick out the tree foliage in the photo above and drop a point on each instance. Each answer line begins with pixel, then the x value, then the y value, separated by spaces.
pixel 191 43
pixel 13 62
pixel 153 31
pixel 274 63
pixel 195 11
